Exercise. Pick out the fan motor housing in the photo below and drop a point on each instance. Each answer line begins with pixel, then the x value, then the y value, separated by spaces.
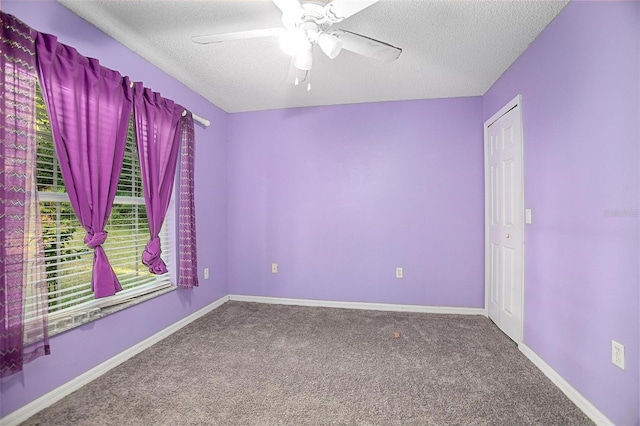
pixel 316 12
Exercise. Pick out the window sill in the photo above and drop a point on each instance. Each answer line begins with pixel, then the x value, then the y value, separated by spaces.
pixel 78 319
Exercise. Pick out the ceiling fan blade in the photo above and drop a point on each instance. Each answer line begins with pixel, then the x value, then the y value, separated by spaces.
pixel 367 46
pixel 342 9
pixel 239 35
pixel 288 6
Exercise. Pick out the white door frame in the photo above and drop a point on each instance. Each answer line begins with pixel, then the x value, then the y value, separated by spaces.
pixel 515 102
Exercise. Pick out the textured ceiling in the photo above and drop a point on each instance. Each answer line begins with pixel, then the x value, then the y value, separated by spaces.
pixel 450 48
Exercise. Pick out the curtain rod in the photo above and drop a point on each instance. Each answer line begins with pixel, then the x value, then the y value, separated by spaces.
pixel 196 117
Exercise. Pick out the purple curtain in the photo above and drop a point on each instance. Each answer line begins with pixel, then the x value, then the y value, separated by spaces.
pixel 23 288
pixel 188 269
pixel 89 106
pixel 158 133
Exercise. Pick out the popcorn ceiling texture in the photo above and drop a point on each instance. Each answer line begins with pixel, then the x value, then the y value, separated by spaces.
pixel 450 48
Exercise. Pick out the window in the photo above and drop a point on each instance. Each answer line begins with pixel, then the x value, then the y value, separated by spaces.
pixel 68 260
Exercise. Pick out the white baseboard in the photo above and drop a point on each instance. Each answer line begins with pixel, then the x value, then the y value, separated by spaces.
pixel 23 413
pixel 581 402
pixel 359 305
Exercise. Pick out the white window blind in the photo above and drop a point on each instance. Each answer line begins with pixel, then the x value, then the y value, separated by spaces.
pixel 68 260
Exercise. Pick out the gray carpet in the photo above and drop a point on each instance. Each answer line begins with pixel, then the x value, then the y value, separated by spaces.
pixel 255 364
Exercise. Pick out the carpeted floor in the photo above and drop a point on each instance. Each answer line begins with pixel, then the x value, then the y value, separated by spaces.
pixel 255 364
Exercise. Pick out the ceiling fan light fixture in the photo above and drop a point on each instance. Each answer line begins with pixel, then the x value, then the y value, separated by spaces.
pixel 292 41
pixel 330 44
pixel 290 18
pixel 304 58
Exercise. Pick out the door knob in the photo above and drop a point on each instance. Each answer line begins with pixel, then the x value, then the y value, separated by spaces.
pixel 508 236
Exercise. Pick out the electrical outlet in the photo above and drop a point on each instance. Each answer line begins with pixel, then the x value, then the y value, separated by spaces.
pixel 274 268
pixel 617 354
pixel 206 273
pixel 399 273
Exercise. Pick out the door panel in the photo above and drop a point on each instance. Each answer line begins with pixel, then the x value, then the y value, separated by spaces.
pixel 505 226
pixel 508 260
pixel 507 136
pixel 495 206
pixel 495 267
pixel 494 143
pixel 507 194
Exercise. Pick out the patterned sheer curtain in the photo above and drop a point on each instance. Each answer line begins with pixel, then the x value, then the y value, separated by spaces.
pixel 187 258
pixel 23 302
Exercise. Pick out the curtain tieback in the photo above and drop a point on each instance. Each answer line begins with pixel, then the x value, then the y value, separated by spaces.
pixel 151 257
pixel 93 240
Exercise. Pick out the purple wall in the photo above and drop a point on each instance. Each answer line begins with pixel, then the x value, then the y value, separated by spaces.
pixel 339 196
pixel 85 347
pixel 580 82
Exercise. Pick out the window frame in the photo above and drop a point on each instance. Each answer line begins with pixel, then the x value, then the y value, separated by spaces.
pixel 90 310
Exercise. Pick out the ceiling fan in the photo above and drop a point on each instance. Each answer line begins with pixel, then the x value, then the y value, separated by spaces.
pixel 308 23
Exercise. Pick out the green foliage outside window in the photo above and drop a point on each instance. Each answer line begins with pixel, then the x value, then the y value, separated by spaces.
pixel 68 261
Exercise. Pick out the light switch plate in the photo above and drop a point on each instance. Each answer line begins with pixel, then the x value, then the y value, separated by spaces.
pixel 399 273
pixel 527 216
